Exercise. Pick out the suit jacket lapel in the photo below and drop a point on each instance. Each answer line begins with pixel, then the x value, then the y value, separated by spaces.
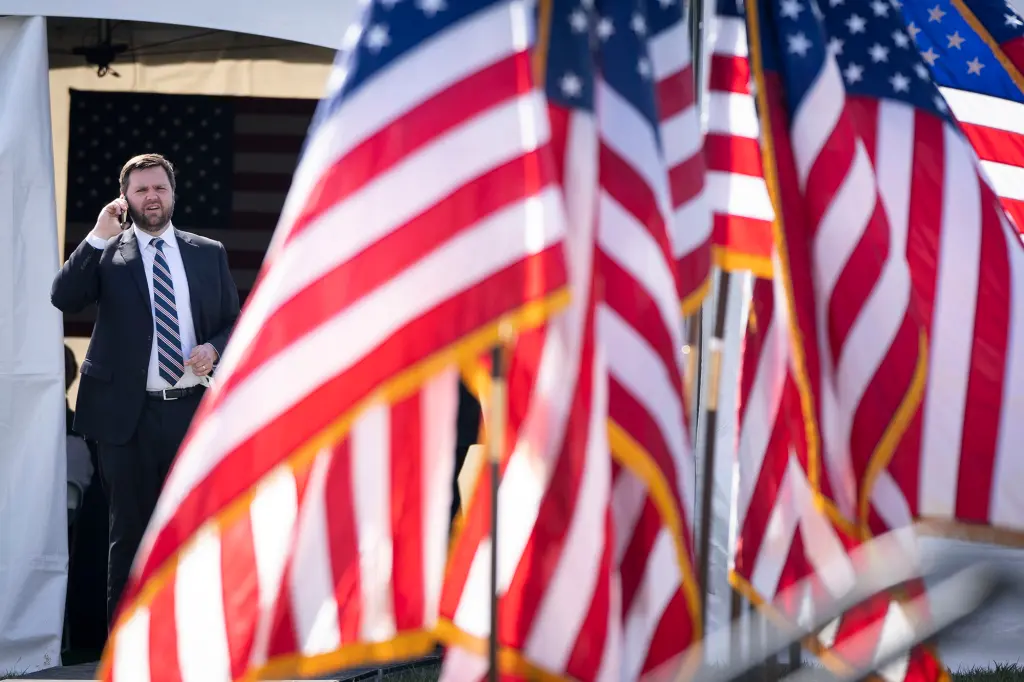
pixel 129 248
pixel 190 260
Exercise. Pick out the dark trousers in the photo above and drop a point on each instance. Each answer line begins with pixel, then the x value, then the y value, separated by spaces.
pixel 133 475
pixel 467 433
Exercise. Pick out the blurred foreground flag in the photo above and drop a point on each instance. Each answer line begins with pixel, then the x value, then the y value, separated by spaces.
pixel 594 540
pixel 975 52
pixel 737 194
pixel 304 525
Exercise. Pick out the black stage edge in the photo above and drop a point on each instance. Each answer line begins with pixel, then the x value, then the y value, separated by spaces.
pixel 87 671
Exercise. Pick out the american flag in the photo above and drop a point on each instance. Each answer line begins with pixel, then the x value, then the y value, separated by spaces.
pixel 638 322
pixel 975 51
pixel 670 65
pixel 960 463
pixel 848 197
pixel 578 599
pixel 788 555
pixel 553 530
pixel 423 213
pixel 868 170
pixel 736 191
pixel 235 157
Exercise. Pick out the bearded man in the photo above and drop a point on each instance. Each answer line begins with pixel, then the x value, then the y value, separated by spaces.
pixel 166 304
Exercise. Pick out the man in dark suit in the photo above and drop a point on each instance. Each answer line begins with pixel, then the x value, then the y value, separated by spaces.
pixel 166 304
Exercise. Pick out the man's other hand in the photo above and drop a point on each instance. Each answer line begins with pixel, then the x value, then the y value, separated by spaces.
pixel 202 359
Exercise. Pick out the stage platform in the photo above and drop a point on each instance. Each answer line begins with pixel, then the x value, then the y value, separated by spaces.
pixel 87 671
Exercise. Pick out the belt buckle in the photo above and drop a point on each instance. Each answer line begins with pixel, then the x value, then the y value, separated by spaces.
pixel 163 393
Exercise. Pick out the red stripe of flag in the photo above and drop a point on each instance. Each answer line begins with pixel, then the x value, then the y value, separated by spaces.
pixel 407 498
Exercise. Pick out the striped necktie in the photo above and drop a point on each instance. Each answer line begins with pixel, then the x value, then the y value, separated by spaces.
pixel 165 312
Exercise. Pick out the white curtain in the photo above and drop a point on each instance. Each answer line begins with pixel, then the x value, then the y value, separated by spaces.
pixel 33 479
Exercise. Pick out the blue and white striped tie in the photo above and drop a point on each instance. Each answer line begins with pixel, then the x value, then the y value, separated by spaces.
pixel 165 312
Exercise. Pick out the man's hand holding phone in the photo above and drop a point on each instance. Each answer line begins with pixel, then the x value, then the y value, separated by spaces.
pixel 112 219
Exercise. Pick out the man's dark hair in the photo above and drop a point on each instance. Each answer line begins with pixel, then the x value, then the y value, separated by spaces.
pixel 141 162
pixel 70 368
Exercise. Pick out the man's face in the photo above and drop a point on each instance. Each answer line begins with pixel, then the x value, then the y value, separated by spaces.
pixel 150 199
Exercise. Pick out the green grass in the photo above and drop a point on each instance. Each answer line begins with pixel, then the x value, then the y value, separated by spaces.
pixel 1000 673
pixel 428 673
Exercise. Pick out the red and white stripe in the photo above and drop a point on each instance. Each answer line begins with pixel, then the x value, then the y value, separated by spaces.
pixel 579 603
pixel 910 238
pixel 993 127
pixel 343 553
pixel 956 461
pixel 846 210
pixel 556 579
pixel 851 199
pixel 640 327
pixel 788 553
pixel 641 220
pixel 690 228
pixel 555 576
pixel 741 208
pixel 343 316
pixel 993 124
pixel 960 461
pixel 658 623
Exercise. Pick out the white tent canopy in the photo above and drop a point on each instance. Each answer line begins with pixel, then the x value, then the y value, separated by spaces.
pixel 314 22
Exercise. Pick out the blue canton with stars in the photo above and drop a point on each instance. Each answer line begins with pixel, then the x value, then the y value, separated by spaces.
pixel 625 60
pixel 664 15
pixel 388 31
pixel 959 58
pixel 869 41
pixel 569 73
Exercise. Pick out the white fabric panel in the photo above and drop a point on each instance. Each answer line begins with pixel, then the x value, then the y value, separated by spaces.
pixel 33 479
pixel 316 22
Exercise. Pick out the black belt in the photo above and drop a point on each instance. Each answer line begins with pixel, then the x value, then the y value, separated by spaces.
pixel 174 393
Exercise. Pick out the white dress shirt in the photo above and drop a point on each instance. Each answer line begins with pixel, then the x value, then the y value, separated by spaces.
pixel 186 329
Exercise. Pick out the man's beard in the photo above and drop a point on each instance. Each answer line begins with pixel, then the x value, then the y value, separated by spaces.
pixel 151 222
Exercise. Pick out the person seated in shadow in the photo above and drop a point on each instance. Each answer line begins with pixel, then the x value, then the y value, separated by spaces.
pixel 467 433
pixel 86 610
pixel 81 464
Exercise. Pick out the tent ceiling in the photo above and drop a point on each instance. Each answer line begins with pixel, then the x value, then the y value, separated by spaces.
pixel 316 22
pixel 156 43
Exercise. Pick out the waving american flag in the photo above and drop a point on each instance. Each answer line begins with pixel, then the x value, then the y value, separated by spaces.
pixel 303 527
pixel 964 469
pixel 594 557
pixel 975 52
pixel 738 197
pixel 552 524
pixel 867 169
pixel 638 323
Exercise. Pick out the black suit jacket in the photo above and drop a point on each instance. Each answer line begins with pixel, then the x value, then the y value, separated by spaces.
pixel 113 383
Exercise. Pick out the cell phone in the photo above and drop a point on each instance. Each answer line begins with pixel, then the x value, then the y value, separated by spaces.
pixel 126 221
